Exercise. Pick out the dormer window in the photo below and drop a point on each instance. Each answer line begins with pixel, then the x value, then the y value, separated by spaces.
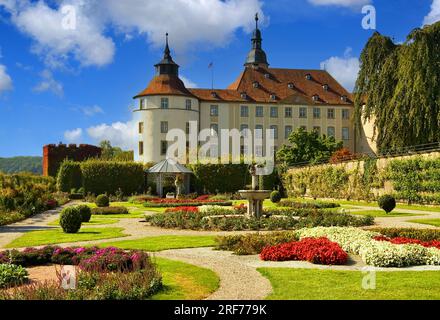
pixel 244 95
pixel 344 98
pixel 256 84
pixel 214 95
pixel 325 87
pixel 315 97
pixel 273 96
pixel 291 85
pixel 308 76
pixel 267 75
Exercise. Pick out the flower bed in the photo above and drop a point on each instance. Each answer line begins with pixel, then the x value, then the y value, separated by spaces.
pixel 165 203
pixel 403 240
pixel 373 252
pixel 308 205
pixel 186 209
pixel 314 250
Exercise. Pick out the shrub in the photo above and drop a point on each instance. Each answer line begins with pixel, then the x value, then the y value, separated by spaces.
pixel 12 275
pixel 387 203
pixel 109 176
pixel 69 176
pixel 308 205
pixel 102 201
pixel 253 243
pixel 314 250
pixel 70 220
pixel 85 211
pixel 275 196
pixel 110 210
pixel 419 234
pixel 76 196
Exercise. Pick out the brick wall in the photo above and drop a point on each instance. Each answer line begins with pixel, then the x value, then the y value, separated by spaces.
pixel 54 155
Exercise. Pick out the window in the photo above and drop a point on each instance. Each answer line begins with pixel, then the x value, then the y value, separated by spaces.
pixel 259 131
pixel 188 104
pixel 163 147
pixel 345 114
pixel 141 148
pixel 288 112
pixel 330 113
pixel 164 126
pixel 287 131
pixel 141 127
pixel 143 104
pixel 345 134
pixel 164 103
pixel 214 129
pixel 316 113
pixel 274 132
pixel 273 112
pixel 187 128
pixel 243 130
pixel 244 111
pixel 214 111
pixel 331 132
pixel 317 130
pixel 259 112
pixel 303 113
pixel 259 151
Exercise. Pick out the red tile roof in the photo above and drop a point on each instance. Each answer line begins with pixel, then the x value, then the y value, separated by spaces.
pixel 165 85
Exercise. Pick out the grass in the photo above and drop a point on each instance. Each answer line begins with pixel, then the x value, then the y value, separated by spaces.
pixel 309 284
pixel 94 221
pixel 431 222
pixel 184 281
pixel 399 206
pixel 381 213
pixel 160 243
pixel 56 236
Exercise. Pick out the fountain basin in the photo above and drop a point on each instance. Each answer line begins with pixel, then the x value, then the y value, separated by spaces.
pixel 255 199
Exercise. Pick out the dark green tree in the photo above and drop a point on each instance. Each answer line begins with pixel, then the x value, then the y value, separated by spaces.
pixel 308 147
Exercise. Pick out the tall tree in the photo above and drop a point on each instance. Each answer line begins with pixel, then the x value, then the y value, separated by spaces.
pixel 399 88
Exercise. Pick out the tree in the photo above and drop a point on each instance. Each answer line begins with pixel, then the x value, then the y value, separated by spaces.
pixel 114 153
pixel 307 147
pixel 398 87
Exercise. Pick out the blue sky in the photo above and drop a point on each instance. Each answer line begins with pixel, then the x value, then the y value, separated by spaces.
pixel 76 85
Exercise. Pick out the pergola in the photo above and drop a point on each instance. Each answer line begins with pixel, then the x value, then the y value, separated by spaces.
pixel 170 168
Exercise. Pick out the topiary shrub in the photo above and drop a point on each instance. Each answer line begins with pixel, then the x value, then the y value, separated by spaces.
pixel 275 196
pixel 69 177
pixel 387 203
pixel 71 220
pixel 102 201
pixel 110 210
pixel 86 212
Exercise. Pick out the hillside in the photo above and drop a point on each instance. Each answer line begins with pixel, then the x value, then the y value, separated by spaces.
pixel 21 164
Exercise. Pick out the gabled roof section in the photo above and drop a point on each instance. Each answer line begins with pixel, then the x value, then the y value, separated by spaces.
pixel 169 166
pixel 165 84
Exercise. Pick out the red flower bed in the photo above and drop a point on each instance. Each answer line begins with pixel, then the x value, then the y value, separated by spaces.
pixel 203 198
pixel 402 240
pixel 186 209
pixel 314 250
pixel 181 201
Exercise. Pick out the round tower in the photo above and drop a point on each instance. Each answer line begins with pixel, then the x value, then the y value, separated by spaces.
pixel 164 105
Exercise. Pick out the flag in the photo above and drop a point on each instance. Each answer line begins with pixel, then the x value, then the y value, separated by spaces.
pixel 211 65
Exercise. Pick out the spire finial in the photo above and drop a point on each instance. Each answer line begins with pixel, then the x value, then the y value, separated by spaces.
pixel 167 48
pixel 256 20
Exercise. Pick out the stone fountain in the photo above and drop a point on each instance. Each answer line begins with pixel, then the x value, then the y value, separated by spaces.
pixel 255 196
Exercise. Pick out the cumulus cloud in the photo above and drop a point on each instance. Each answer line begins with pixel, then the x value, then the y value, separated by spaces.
pixel 120 134
pixel 73 136
pixel 48 83
pixel 341 3
pixel 187 82
pixel 89 111
pixel 5 80
pixel 58 35
pixel 344 69
pixel 434 14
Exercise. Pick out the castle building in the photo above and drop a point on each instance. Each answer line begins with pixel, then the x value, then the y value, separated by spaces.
pixel 260 98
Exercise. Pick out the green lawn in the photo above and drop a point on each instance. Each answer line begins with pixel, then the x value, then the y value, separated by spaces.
pixel 399 206
pixel 94 221
pixel 431 222
pixel 184 281
pixel 56 236
pixel 309 284
pixel 381 213
pixel 163 243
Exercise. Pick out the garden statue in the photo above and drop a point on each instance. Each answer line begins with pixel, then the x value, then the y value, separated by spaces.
pixel 179 184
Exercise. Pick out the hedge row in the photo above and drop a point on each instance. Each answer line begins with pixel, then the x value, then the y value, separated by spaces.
pixel 98 177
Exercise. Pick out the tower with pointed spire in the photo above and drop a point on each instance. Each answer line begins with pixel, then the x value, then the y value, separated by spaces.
pixel 167 65
pixel 257 57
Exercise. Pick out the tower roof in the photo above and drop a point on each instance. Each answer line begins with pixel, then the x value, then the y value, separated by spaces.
pixel 257 56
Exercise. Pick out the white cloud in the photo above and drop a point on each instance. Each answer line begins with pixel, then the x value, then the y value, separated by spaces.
pixel 120 134
pixel 341 3
pixel 5 80
pixel 344 69
pixel 89 111
pixel 189 22
pixel 434 14
pixel 48 83
pixel 188 83
pixel 73 136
